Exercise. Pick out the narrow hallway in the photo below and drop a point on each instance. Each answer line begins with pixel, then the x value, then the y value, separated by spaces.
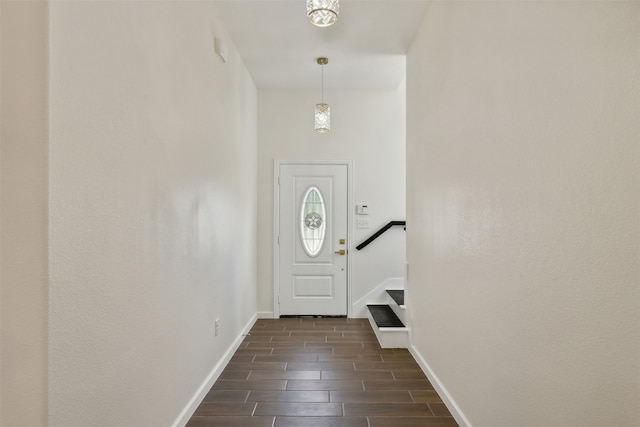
pixel 328 372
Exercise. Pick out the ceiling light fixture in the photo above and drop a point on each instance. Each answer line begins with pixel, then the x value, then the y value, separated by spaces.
pixel 323 112
pixel 323 13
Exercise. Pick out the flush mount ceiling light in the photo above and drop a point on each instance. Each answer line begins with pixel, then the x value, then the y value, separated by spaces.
pixel 323 13
pixel 323 112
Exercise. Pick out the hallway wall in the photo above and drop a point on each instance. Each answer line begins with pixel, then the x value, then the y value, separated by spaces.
pixel 523 206
pixel 367 127
pixel 23 213
pixel 152 208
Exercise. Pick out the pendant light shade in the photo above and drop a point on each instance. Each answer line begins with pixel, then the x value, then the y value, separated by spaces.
pixel 323 13
pixel 323 111
pixel 323 118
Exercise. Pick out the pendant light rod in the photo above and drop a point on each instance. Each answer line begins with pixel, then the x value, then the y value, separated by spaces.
pixel 322 61
pixel 322 112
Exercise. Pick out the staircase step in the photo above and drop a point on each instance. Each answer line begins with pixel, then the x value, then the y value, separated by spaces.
pixel 384 316
pixel 397 295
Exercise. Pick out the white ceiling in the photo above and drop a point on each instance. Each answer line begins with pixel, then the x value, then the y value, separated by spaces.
pixel 366 47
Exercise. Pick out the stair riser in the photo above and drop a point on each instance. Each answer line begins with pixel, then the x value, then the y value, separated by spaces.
pixel 390 337
pixel 399 311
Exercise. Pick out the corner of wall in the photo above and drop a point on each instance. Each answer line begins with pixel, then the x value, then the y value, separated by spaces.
pixel 442 391
pixel 210 379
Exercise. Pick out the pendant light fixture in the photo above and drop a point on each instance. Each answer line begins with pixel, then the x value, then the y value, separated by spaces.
pixel 323 13
pixel 323 112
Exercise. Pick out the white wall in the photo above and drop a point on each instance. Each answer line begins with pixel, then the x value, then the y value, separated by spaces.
pixel 23 210
pixel 523 207
pixel 152 208
pixel 367 127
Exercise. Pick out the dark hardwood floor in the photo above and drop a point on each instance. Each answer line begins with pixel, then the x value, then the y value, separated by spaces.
pixel 320 372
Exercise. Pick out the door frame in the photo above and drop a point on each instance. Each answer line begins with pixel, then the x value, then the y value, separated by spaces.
pixel 276 225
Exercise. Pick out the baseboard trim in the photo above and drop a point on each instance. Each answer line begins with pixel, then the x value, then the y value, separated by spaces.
pixel 204 388
pixel 441 389
pixel 265 315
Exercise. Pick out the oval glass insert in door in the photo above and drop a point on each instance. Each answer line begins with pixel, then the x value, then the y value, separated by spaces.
pixel 313 215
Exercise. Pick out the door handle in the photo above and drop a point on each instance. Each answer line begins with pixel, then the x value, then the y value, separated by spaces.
pixel 340 252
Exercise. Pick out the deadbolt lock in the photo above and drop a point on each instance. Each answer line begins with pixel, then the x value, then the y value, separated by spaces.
pixel 342 241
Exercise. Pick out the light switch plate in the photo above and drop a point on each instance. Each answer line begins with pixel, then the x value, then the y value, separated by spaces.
pixel 362 209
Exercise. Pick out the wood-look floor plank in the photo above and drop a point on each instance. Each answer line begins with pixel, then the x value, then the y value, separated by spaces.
pixel 234 375
pixel 286 358
pixel 398 358
pixel 355 357
pixel 439 409
pixel 253 351
pixel 412 422
pixel 393 366
pixel 270 344
pixel 302 350
pixel 321 422
pixel 367 333
pixel 319 366
pixel 375 345
pixel 303 328
pixel 356 375
pixel 256 338
pixel 250 385
pixel 288 396
pixel 315 372
pixel 383 396
pixel 351 348
pixel 213 421
pixel 426 396
pixel 242 358
pixel 225 408
pixel 397 385
pixel 299 338
pixel 288 409
pixel 226 396
pixel 251 366
pixel 409 375
pixel 284 375
pixel 262 333
pixel 378 409
pixel 351 344
pixel 307 332
pixel 324 385
pixel 350 328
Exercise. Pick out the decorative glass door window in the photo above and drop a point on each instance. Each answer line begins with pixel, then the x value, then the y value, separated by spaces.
pixel 313 215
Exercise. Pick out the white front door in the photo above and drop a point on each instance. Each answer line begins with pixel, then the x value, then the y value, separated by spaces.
pixel 312 245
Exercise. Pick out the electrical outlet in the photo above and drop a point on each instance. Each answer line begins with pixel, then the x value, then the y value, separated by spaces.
pixel 217 327
pixel 362 223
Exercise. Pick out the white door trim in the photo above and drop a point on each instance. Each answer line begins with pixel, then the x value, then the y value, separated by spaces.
pixel 276 225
